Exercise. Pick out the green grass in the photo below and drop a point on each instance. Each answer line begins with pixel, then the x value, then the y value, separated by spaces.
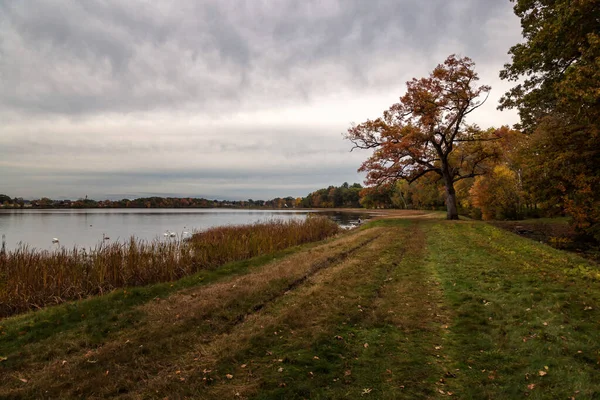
pixel 525 314
pixel 553 220
pixel 341 338
pixel 400 308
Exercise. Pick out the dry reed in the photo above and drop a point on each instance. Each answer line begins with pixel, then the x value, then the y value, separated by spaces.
pixel 32 279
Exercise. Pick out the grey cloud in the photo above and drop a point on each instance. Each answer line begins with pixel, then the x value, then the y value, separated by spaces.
pixel 217 97
pixel 228 182
pixel 63 57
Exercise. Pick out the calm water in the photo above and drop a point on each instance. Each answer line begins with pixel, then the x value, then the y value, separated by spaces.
pixel 84 228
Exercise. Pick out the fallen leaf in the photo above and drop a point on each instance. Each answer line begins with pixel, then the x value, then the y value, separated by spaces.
pixel 23 380
pixel 229 376
pixel 347 373
pixel 542 373
pixel 315 358
pixel 366 345
pixel 243 365
pixel 546 367
pixel 3 358
pixel 366 391
pixel 531 386
pixel 280 369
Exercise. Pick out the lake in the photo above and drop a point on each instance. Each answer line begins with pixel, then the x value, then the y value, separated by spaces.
pixel 86 227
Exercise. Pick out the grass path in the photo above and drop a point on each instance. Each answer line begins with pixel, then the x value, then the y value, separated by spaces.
pixel 527 315
pixel 402 308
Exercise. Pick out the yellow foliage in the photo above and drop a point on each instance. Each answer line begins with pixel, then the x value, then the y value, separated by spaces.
pixel 498 195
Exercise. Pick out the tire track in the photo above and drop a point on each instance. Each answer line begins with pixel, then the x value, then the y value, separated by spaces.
pixel 315 268
pixel 307 311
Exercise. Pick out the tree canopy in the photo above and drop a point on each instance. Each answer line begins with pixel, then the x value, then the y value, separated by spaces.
pixel 558 100
pixel 559 61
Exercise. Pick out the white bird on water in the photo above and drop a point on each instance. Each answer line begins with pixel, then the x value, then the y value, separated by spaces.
pixel 55 240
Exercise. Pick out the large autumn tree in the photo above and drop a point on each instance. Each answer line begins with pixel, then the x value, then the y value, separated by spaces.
pixel 556 71
pixel 426 132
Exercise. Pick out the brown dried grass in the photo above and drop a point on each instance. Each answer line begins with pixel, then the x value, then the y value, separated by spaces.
pixel 32 279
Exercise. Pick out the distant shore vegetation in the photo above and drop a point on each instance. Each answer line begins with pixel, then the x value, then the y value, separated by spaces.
pixel 345 195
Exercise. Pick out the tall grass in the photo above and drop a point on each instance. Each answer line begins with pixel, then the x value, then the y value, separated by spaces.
pixel 33 279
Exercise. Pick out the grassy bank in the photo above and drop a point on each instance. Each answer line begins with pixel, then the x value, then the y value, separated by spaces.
pixel 402 308
pixel 556 232
pixel 31 279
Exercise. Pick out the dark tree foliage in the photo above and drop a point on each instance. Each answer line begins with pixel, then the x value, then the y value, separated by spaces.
pixel 559 103
pixel 334 197
pixel 558 62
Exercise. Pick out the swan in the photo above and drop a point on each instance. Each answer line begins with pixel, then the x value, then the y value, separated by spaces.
pixel 55 240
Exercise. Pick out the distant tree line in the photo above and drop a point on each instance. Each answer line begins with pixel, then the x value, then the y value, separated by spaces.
pixel 334 197
pixel 343 196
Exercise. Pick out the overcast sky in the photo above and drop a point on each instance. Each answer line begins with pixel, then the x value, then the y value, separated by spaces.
pixel 219 99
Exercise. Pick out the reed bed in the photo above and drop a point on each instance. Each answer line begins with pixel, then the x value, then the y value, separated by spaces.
pixel 31 279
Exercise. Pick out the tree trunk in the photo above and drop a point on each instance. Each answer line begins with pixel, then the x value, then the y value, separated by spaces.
pixel 452 211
